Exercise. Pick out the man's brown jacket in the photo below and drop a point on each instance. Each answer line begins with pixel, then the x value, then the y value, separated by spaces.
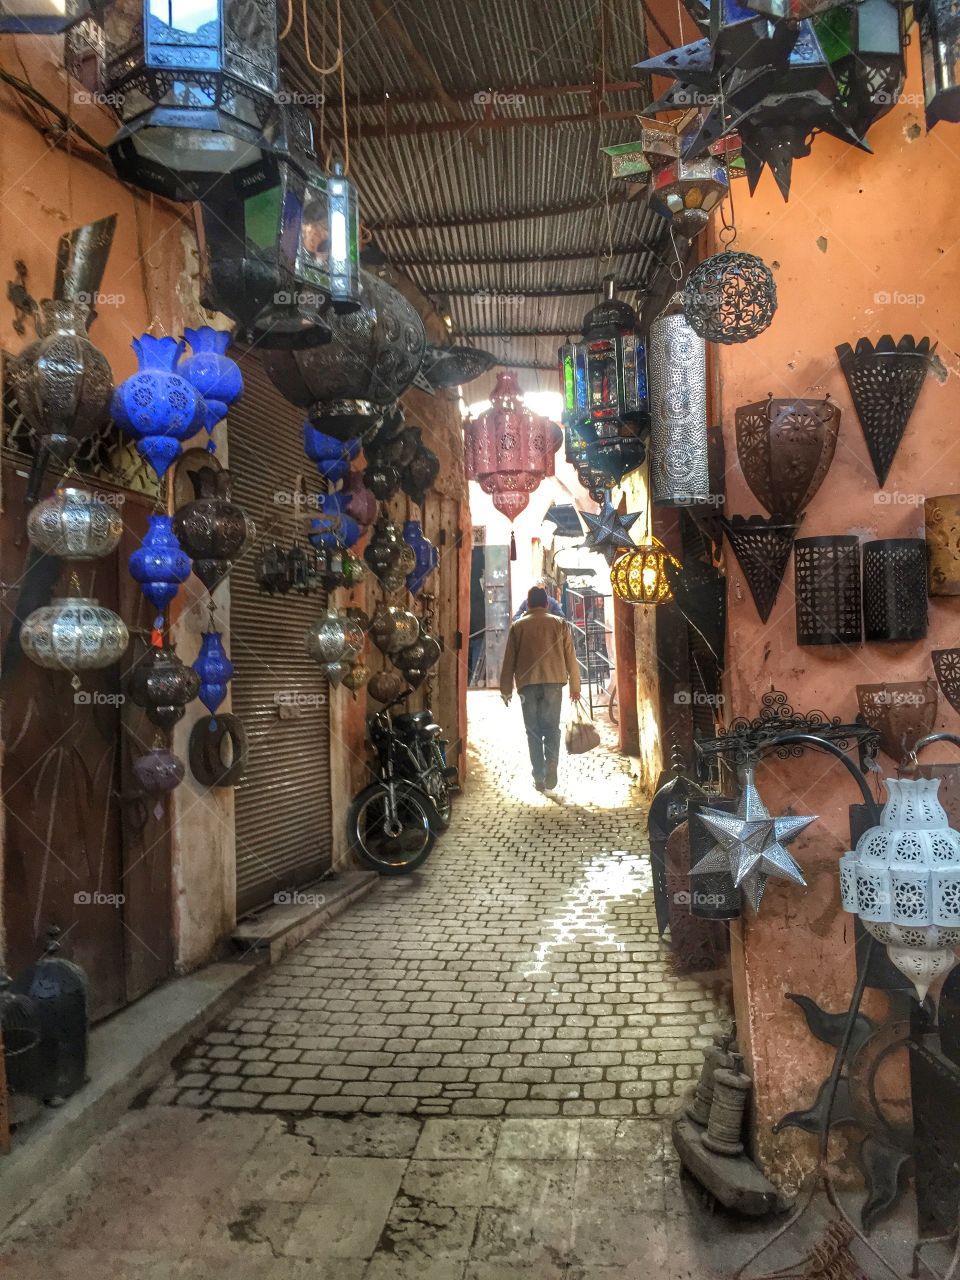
pixel 539 651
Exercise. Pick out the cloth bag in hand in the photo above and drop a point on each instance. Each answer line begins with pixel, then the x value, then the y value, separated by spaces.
pixel 582 734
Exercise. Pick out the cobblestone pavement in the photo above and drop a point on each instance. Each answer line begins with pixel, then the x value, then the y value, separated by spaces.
pixel 519 973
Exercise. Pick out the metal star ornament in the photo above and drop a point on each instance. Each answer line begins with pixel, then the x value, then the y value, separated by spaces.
pixel 608 532
pixel 751 844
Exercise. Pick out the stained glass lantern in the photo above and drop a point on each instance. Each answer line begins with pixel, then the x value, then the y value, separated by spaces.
pixel 793 10
pixel 604 382
pixel 508 450
pixel 864 45
pixel 197 82
pixel 640 577
pixel 280 243
pixel 41 17
pixel 940 58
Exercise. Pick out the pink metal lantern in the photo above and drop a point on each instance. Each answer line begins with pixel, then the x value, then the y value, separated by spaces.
pixel 508 449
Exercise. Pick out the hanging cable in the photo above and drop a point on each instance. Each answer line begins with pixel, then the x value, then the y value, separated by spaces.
pixel 343 90
pixel 288 25
pixel 337 63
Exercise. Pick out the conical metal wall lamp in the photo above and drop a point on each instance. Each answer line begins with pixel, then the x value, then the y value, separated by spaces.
pixel 762 547
pixel 884 382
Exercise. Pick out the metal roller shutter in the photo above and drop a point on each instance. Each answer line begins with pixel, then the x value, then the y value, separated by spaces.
pixel 283 818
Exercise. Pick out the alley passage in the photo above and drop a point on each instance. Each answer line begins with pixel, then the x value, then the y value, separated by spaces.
pixel 518 974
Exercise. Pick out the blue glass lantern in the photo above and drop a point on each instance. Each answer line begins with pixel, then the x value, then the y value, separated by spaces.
pixel 428 557
pixel 197 84
pixel 159 565
pixel 156 403
pixel 332 456
pixel 332 527
pixel 214 669
pixel 211 371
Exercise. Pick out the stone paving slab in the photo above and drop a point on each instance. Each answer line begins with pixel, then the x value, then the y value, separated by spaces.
pixel 178 1193
pixel 520 973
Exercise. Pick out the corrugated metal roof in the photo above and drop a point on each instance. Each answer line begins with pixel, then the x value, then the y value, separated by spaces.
pixel 453 209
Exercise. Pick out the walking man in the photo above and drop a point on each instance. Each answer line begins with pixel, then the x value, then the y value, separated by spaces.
pixel 540 657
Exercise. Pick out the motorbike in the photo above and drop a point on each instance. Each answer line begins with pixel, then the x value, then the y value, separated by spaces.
pixel 393 823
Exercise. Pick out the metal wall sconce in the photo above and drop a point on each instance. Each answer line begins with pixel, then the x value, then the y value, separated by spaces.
pixel 942 520
pixel 895 589
pixel 679 464
pixel 946 664
pixel 901 714
pixel 827 589
pixel 884 382
pixel 785 448
pixel 762 547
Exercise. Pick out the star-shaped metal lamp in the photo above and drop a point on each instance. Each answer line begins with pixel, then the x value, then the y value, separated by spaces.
pixel 608 532
pixel 751 844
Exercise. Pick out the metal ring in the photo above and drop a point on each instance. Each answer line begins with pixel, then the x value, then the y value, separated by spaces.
pixel 206 751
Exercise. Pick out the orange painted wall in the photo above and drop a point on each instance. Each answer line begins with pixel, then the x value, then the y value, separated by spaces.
pixel 867 245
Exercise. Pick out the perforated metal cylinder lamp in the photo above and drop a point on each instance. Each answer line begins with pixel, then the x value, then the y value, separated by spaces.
pixel 895 589
pixel 827 589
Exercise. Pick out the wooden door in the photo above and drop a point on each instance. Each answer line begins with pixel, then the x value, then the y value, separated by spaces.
pixel 82 850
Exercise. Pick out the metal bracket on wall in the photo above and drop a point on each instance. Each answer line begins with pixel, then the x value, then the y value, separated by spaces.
pixel 24 304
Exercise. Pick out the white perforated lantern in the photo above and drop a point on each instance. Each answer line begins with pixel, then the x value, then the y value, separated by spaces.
pixel 904 882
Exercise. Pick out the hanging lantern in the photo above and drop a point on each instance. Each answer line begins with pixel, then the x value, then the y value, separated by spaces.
pixel 639 576
pixel 942 521
pixel 416 660
pixel 354 570
pixel 684 192
pixel 454 366
pixel 940 58
pixel 383 551
pixel 332 456
pixel 214 669
pixel 679 470
pixel 197 86
pixel 271 570
pixel 356 676
pixel 156 403
pixel 863 43
pixel 41 17
pixel 730 297
pixel 382 481
pixel 159 565
pixel 74 524
pixel 372 357
pixel 59 994
pixel 210 371
pixel 903 881
pixel 508 449
pixel 212 529
pixel 884 383
pixel 158 773
pixel 895 589
pixel 785 448
pixel 393 629
pixel 163 685
pixel 385 686
pixel 326 639
pixel 420 474
pixel 62 382
pixel 362 505
pixel 827 590
pixel 298 570
pixel 426 556
pixel 74 634
pixel 604 382
pixel 332 527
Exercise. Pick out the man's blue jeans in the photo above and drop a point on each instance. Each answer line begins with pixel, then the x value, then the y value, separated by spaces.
pixel 541 719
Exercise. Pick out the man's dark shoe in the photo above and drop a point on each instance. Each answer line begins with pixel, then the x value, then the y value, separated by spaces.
pixel 550 781
pixel 541 786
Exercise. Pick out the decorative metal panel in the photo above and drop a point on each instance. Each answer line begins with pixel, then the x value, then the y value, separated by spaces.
pixel 828 590
pixel 678 410
pixel 785 449
pixel 942 517
pixel 895 589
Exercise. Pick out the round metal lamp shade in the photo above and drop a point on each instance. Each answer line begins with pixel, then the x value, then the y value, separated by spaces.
pixel 75 525
pixel 73 634
pixel 639 576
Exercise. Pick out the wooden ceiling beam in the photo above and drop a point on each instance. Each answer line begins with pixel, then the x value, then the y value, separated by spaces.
pixel 419 97
pixel 521 259
pixel 547 291
pixel 504 218
pixel 425 128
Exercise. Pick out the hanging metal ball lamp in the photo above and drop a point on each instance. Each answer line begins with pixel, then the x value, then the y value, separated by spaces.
pixel 420 474
pixel 212 372
pixel 385 686
pixel 156 404
pixel 372 357
pixel 158 772
pixel 326 638
pixel 214 669
pixel 74 524
pixel 62 382
pixel 332 455
pixel 74 634
pixel 730 297
pixel 393 629
pixel 159 564
pixel 383 555
pixel 508 449
pixel 416 660
pixel 356 676
pixel 163 685
pixel 639 576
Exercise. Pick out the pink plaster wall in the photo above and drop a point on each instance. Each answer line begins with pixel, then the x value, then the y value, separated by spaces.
pixel 858 230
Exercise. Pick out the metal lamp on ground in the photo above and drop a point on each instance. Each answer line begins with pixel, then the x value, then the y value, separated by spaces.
pixel 197 84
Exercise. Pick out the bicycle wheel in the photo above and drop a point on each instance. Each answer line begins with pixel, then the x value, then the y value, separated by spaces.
pixel 435 785
pixel 391 847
